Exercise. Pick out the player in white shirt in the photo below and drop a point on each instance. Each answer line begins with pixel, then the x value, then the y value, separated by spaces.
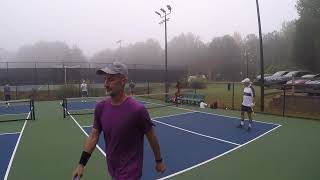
pixel 203 105
pixel 84 91
pixel 247 103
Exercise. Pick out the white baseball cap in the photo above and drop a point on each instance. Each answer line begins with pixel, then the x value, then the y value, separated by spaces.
pixel 246 80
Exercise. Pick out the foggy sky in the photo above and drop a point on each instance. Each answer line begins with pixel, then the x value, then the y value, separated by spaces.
pixel 94 25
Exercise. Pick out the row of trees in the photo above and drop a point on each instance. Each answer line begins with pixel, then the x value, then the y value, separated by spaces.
pixel 307 42
pixel 229 57
pixel 224 58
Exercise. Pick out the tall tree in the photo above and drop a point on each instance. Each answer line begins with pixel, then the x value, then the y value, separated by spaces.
pixel 187 49
pixel 307 42
pixel 226 55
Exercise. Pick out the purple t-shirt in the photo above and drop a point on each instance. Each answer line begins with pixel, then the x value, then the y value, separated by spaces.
pixel 124 127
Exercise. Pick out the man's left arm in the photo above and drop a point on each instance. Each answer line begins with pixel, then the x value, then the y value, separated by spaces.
pixel 154 144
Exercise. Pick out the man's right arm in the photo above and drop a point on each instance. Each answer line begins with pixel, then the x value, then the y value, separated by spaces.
pixel 89 147
pixel 92 141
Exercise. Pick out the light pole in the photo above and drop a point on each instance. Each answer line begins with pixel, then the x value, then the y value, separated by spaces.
pixel 247 62
pixel 165 37
pixel 261 59
pixel 65 71
pixel 119 42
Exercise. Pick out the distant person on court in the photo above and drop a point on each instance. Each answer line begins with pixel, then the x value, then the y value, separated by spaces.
pixel 131 87
pixel 178 86
pixel 84 91
pixel 177 94
pixel 124 121
pixel 247 103
pixel 7 94
pixel 203 105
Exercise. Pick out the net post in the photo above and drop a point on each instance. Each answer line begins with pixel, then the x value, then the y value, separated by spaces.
pixel 30 108
pixel 64 107
pixel 284 100
pixel 64 111
pixel 16 92
pixel 33 113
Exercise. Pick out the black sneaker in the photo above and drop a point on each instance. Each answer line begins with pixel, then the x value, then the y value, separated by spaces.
pixel 249 128
pixel 239 126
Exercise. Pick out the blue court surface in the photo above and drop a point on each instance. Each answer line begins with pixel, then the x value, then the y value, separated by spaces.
pixel 8 142
pixel 73 106
pixel 191 139
pixel 89 105
pixel 15 109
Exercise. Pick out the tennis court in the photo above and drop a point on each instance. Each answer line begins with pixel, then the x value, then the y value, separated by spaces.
pixel 196 144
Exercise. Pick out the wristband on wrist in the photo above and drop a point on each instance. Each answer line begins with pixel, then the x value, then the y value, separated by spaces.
pixel 85 156
pixel 159 160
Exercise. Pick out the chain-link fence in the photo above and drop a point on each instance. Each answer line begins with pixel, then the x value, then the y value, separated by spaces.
pixel 55 80
pixel 42 73
pixel 301 101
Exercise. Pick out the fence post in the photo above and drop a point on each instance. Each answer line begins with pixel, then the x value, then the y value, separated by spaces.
pixel 284 100
pixel 48 90
pixel 232 96
pixel 35 73
pixel 7 72
pixel 16 92
pixel 79 90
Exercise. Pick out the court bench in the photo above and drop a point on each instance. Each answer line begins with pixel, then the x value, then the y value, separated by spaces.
pixel 187 98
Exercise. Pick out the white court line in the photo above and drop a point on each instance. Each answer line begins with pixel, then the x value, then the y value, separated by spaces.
pixel 192 132
pixel 15 149
pixel 86 126
pixel 213 114
pixel 159 117
pixel 80 109
pixel 227 152
pixel 172 115
pixel 2 134
pixel 99 148
pixel 204 162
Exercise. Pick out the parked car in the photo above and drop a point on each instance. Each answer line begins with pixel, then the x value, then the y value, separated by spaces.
pixel 313 87
pixel 303 79
pixel 265 76
pixel 300 83
pixel 268 76
pixel 278 82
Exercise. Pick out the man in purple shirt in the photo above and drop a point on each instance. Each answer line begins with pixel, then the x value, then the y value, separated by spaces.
pixel 124 122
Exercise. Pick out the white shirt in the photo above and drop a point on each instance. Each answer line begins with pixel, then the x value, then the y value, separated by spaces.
pixel 203 105
pixel 248 95
pixel 84 87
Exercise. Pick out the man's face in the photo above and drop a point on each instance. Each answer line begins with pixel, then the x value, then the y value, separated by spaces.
pixel 114 84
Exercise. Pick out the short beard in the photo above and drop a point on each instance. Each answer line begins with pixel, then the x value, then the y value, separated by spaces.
pixel 114 92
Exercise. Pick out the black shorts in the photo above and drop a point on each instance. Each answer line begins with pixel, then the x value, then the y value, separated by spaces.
pixel 246 109
pixel 84 93
pixel 7 97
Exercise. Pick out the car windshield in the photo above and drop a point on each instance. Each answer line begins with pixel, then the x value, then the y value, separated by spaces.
pixel 280 73
pixel 291 73
pixel 309 76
